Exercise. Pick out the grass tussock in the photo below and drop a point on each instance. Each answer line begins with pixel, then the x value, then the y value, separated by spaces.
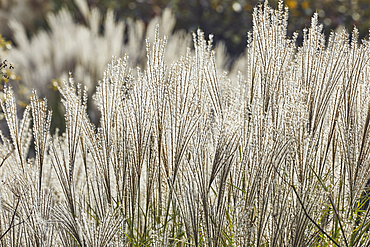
pixel 184 155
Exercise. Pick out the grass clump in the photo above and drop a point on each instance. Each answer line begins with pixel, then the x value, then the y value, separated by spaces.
pixel 183 155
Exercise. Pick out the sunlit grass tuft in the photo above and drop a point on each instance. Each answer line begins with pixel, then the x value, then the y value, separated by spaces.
pixel 184 155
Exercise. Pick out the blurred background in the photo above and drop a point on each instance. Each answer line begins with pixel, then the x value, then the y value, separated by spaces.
pixel 45 39
pixel 228 20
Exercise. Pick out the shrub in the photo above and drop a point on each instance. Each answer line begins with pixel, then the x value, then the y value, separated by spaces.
pixel 184 155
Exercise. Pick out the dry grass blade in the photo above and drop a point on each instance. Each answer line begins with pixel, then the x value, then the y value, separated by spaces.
pixel 277 154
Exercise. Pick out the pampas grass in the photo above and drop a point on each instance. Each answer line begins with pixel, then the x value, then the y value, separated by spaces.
pixel 276 154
